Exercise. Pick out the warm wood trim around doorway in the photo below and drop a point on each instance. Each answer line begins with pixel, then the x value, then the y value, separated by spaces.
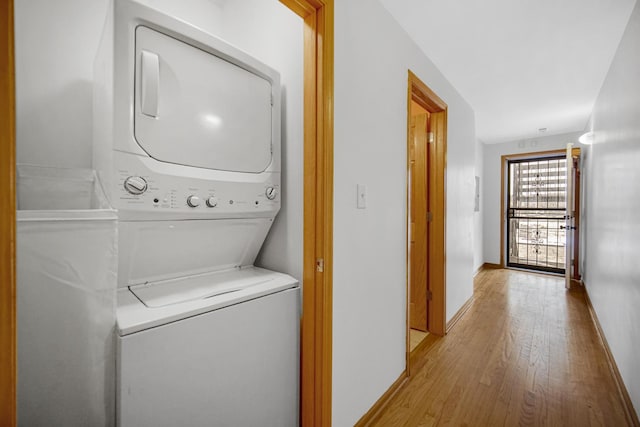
pixel 420 93
pixel 316 351
pixel 7 220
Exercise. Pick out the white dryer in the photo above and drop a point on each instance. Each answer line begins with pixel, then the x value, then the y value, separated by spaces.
pixel 187 142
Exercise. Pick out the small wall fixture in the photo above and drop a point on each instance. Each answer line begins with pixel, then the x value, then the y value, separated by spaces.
pixel 586 138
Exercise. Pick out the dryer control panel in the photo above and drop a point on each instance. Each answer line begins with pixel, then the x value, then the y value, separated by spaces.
pixel 139 190
pixel 150 193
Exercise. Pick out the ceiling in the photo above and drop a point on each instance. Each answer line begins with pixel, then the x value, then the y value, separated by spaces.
pixel 521 64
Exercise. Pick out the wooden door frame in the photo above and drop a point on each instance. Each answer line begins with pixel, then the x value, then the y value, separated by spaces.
pixel 7 219
pixel 504 160
pixel 317 290
pixel 437 108
pixel 316 325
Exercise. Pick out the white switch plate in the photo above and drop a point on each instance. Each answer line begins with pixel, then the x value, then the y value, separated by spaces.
pixel 362 196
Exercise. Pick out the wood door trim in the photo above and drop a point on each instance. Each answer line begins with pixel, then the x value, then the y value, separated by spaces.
pixel 503 169
pixel 7 220
pixel 317 298
pixel 426 98
pixel 437 241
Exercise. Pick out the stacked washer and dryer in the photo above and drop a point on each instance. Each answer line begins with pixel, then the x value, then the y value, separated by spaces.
pixel 187 142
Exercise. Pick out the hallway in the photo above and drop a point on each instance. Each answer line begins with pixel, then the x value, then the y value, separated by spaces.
pixel 526 353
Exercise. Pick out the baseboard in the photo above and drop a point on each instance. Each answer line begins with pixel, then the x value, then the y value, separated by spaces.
pixel 451 323
pixel 374 413
pixel 629 411
pixel 486 266
pixel 478 270
pixel 491 266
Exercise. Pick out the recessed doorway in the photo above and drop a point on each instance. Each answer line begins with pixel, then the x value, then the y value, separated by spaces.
pixel 426 152
pixel 540 211
pixel 419 134
pixel 536 201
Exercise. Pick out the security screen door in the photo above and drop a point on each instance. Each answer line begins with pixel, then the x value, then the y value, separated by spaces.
pixel 536 213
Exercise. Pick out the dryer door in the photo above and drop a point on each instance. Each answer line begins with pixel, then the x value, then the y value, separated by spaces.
pixel 197 109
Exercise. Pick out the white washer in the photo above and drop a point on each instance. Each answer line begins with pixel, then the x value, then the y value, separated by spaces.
pixel 226 358
pixel 187 142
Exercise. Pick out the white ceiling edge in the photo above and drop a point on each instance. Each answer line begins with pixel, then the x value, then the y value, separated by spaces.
pixel 521 65
pixel 540 143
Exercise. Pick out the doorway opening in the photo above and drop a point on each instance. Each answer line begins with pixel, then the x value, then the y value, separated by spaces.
pixel 540 216
pixel 536 205
pixel 418 211
pixel 426 154
pixel 316 324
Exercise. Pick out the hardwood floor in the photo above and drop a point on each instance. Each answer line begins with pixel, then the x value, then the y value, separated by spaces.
pixel 525 354
pixel 415 338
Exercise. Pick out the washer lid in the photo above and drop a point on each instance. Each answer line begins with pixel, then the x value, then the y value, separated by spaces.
pixel 135 313
pixel 197 109
pixel 177 291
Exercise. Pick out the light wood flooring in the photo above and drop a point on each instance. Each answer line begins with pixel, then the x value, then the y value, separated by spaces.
pixel 525 354
pixel 415 338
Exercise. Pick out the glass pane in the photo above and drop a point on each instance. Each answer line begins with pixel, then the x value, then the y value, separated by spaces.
pixel 536 213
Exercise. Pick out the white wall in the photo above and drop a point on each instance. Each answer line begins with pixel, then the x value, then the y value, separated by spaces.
pixel 612 200
pixel 491 187
pixel 56 44
pixel 372 56
pixel 278 42
pixel 478 243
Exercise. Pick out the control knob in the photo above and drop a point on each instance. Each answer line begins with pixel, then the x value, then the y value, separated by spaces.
pixel 135 185
pixel 212 201
pixel 193 201
pixel 271 193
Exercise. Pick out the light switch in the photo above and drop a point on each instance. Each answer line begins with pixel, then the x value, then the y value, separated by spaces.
pixel 362 196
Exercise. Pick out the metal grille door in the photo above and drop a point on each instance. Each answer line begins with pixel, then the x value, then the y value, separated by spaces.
pixel 536 214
